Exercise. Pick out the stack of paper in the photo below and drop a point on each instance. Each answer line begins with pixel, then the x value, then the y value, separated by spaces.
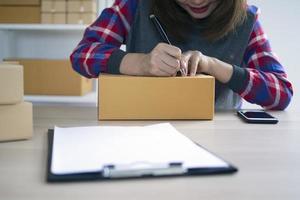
pixel 89 149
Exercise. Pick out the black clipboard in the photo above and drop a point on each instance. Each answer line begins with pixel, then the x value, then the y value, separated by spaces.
pixel 98 175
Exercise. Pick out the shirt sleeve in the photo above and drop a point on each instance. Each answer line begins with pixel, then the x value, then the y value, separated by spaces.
pixel 99 49
pixel 266 82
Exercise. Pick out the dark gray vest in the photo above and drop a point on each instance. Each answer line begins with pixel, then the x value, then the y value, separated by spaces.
pixel 143 37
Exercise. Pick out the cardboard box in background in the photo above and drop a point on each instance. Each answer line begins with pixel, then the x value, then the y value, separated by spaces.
pixel 52 77
pixel 11 83
pixel 16 121
pixel 20 14
pixel 54 12
pixel 89 6
pixel 53 18
pixel 81 18
pixel 20 2
pixel 54 6
pixel 155 98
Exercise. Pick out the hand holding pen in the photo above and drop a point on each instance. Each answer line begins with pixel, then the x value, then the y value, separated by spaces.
pixel 169 49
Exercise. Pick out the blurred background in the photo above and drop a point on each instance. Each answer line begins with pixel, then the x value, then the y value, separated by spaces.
pixel 40 35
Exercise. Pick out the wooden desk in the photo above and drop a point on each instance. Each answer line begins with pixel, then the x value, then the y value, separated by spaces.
pixel 268 157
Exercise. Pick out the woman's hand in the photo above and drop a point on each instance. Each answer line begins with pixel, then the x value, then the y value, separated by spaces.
pixel 195 62
pixel 163 60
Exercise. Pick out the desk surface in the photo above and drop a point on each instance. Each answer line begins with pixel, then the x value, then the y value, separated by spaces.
pixel 268 157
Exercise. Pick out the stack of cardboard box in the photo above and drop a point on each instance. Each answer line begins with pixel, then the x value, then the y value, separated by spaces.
pixel 48 11
pixel 81 11
pixel 20 11
pixel 53 11
pixel 15 114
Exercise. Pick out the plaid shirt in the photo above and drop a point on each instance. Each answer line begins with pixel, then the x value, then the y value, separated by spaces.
pixel 267 84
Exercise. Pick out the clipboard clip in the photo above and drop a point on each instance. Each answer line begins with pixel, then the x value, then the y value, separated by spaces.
pixel 142 170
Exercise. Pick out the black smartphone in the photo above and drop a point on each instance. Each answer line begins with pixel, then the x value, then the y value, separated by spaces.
pixel 257 117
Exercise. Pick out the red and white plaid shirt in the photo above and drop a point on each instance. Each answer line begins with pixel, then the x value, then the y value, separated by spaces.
pixel 267 84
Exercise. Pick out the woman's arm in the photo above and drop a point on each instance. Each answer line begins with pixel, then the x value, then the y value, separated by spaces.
pixel 263 81
pixel 99 50
pixel 267 83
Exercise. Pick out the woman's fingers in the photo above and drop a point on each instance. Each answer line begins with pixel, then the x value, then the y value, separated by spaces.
pixel 166 68
pixel 184 62
pixel 170 49
pixel 170 55
pixel 192 61
pixel 171 61
pixel 193 65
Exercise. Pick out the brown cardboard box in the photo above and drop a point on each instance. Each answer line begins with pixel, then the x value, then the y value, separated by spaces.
pixel 53 18
pixel 54 6
pixel 16 121
pixel 82 6
pixel 52 77
pixel 20 14
pixel 156 98
pixel 20 2
pixel 11 83
pixel 81 18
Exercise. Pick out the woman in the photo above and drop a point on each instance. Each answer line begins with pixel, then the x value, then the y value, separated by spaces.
pixel 217 37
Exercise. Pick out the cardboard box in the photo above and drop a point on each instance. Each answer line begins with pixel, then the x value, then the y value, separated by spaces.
pixel 11 84
pixel 155 98
pixel 53 18
pixel 20 2
pixel 52 77
pixel 16 121
pixel 54 6
pixel 20 14
pixel 82 6
pixel 81 18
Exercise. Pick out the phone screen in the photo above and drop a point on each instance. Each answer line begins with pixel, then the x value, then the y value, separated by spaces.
pixel 262 115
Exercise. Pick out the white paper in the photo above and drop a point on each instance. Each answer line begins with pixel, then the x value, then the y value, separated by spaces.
pixel 89 149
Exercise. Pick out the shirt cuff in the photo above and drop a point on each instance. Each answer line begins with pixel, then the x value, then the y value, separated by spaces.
pixel 114 61
pixel 238 79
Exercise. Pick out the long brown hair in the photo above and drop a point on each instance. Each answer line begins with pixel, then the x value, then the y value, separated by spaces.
pixel 223 20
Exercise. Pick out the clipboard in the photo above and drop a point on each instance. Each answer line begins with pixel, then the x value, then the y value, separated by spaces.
pixel 111 172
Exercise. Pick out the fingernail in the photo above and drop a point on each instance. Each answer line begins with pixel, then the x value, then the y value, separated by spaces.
pixel 185 64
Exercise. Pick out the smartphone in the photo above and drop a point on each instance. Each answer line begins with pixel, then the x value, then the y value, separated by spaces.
pixel 257 117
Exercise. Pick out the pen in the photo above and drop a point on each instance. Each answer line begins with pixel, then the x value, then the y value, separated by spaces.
pixel 163 34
